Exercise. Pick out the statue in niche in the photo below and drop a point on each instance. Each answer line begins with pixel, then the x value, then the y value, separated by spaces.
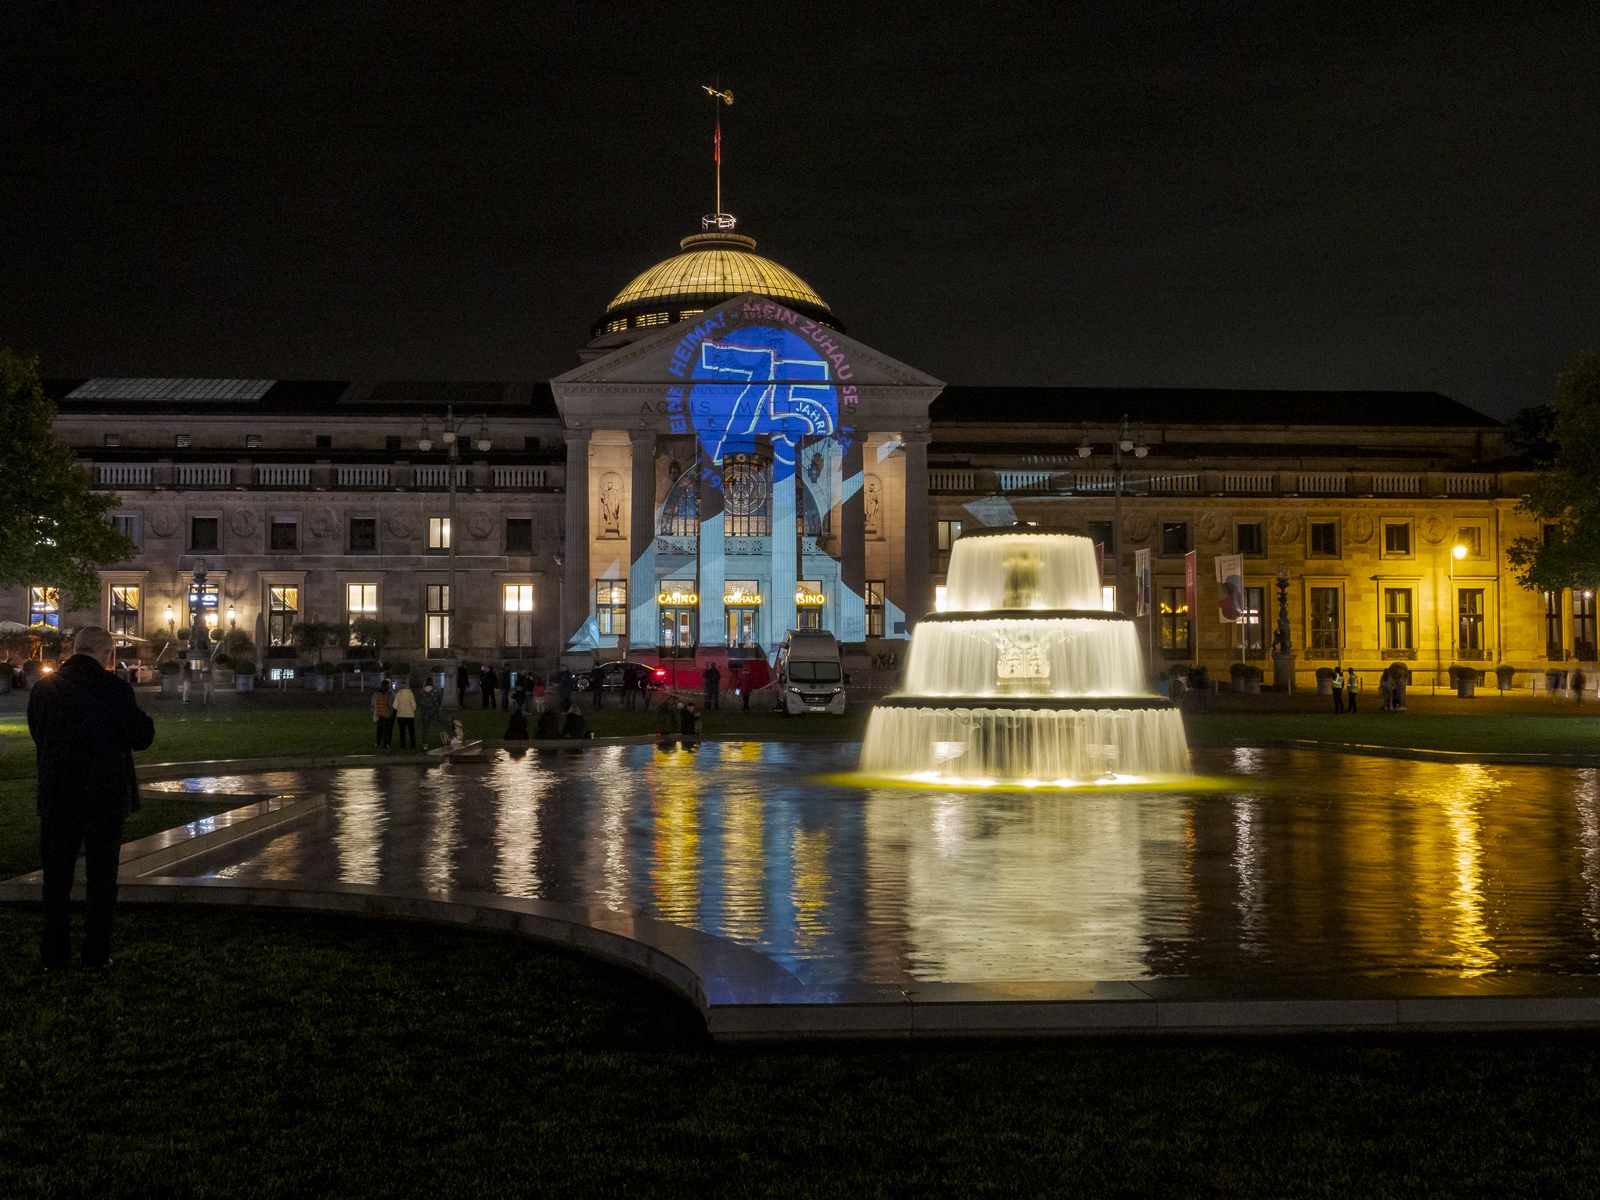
pixel 872 505
pixel 815 466
pixel 611 505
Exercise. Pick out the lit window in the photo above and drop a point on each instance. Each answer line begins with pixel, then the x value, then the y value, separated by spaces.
pixel 283 610
pixel 1174 619
pixel 113 440
pixel 617 326
pixel 181 441
pixel 611 606
pixel 685 313
pixel 1397 618
pixel 1471 537
pixel 657 318
pixel 44 606
pixel 941 599
pixel 949 531
pixel 438 602
pixel 125 611
pixel 252 441
pixel 519 615
pixel 361 600
pixel 1108 597
pixel 438 533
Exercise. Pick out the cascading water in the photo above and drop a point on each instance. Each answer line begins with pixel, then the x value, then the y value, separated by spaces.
pixel 1028 681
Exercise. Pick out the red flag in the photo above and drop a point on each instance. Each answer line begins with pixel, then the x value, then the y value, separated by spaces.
pixel 718 145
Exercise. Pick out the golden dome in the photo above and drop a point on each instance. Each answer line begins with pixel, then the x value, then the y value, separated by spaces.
pixel 712 268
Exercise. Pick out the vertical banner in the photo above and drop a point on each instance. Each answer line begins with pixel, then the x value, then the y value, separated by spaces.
pixel 1230 590
pixel 1100 560
pixel 1141 573
pixel 1190 583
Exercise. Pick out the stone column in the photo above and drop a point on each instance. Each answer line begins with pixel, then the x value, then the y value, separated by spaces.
pixel 575 590
pixel 850 622
pixel 644 614
pixel 919 586
pixel 779 605
pixel 713 572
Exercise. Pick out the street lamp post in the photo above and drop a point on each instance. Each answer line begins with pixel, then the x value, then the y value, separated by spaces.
pixel 1124 444
pixel 1282 645
pixel 451 434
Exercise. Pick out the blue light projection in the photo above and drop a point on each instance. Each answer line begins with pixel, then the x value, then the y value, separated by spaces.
pixel 760 380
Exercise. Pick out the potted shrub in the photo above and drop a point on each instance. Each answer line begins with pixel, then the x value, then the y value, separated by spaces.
pixel 1324 681
pixel 1503 675
pixel 170 670
pixel 1246 678
pixel 401 671
pixel 1465 681
pixel 320 677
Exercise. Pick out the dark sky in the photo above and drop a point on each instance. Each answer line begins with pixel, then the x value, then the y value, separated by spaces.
pixel 1337 196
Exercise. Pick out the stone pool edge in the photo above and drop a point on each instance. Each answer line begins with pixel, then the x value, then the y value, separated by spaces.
pixel 744 996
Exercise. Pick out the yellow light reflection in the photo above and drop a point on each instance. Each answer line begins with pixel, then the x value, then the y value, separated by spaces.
pixel 675 851
pixel 810 891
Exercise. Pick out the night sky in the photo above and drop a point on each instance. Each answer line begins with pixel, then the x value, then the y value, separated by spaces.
pixel 1197 195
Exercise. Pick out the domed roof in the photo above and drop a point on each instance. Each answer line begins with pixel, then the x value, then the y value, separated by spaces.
pixel 713 267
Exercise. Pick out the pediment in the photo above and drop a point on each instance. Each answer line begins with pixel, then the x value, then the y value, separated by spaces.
pixel 659 357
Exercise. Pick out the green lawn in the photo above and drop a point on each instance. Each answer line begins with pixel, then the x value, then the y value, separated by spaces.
pixel 247 1054
pixel 1558 732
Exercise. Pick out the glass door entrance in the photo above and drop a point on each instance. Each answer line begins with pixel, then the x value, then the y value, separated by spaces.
pixel 742 626
pixel 677 632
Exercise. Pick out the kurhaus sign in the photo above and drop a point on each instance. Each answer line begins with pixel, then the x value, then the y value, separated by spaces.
pixel 759 371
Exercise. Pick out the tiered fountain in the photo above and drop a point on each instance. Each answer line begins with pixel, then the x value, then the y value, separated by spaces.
pixel 1028 681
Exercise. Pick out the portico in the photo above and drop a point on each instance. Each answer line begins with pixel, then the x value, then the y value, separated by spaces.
pixel 737 474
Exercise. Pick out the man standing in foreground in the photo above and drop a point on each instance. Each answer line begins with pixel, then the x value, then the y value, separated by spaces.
pixel 86 725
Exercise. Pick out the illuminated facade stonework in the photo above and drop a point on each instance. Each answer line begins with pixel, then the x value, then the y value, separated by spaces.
pixel 726 465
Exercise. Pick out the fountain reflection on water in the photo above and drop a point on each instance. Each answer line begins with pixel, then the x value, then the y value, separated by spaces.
pixel 1298 864
pixel 1027 681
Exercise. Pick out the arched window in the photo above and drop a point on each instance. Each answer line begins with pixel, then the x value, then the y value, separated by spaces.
pixel 680 515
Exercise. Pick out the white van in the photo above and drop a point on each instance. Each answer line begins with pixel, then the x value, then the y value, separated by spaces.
pixel 810 677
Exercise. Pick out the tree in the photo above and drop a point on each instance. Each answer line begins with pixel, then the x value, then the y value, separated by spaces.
pixel 53 527
pixel 313 637
pixel 369 633
pixel 1567 496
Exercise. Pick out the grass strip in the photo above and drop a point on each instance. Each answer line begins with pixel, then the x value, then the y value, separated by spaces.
pixel 241 1054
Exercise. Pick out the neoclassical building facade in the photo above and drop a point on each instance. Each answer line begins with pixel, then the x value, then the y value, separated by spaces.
pixel 726 463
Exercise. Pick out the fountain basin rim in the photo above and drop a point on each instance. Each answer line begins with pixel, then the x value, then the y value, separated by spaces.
pixel 1026 614
pixel 1021 530
pixel 1028 703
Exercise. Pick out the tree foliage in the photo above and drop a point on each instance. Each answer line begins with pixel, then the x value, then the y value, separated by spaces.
pixel 53 526
pixel 1567 496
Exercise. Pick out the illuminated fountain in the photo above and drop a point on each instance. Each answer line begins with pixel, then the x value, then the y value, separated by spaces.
pixel 1027 681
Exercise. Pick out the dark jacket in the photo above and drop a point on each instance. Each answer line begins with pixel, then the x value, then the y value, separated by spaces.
pixel 86 725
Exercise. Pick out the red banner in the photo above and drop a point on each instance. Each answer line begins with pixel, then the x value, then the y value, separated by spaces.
pixel 1190 584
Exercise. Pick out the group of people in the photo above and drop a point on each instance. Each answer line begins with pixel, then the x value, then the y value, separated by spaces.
pixel 512 688
pixel 395 703
pixel 1346 687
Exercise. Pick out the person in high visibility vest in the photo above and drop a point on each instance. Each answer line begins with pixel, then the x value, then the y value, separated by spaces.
pixel 1352 689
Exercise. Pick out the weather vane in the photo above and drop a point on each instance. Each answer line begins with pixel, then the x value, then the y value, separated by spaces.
pixel 718 218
